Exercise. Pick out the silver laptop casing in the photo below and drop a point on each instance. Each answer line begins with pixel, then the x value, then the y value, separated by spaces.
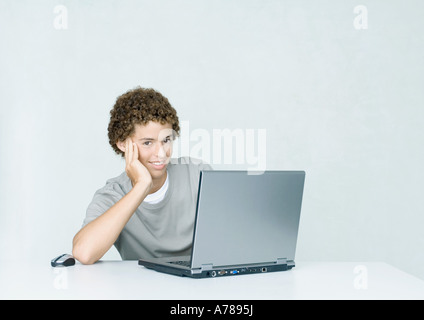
pixel 246 222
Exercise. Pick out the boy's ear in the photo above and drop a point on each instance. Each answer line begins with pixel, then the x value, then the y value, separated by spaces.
pixel 121 146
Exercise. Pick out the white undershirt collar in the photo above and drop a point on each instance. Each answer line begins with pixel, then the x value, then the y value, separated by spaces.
pixel 158 195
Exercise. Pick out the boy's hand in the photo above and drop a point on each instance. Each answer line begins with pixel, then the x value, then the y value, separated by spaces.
pixel 135 170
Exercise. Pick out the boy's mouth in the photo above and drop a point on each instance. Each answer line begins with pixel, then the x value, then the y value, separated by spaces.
pixel 158 165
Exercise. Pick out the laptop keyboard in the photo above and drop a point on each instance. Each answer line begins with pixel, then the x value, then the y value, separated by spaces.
pixel 184 263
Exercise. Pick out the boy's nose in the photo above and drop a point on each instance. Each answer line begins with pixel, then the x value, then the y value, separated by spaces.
pixel 161 152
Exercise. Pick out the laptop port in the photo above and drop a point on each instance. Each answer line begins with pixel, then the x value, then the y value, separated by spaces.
pixel 222 272
pixel 213 274
pixel 263 269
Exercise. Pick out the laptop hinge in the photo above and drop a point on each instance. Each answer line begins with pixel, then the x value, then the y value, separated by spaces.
pixel 281 260
pixel 206 267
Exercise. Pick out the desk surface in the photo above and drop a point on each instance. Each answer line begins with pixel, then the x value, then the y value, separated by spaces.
pixel 128 280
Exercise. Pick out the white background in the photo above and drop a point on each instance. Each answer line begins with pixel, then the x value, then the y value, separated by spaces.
pixel 345 105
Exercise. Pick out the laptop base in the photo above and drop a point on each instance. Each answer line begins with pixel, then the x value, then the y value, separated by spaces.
pixel 217 271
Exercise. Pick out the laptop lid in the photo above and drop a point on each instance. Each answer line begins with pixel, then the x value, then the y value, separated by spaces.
pixel 244 218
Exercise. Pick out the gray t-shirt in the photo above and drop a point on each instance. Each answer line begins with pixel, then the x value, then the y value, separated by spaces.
pixel 155 230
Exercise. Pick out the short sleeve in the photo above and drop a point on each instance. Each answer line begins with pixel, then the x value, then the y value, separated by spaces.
pixel 102 200
pixel 205 166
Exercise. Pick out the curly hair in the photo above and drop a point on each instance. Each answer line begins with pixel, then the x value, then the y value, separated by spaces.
pixel 139 106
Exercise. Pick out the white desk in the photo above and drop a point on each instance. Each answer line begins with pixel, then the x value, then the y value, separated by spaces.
pixel 127 280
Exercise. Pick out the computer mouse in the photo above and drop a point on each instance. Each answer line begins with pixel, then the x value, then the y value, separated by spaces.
pixel 64 260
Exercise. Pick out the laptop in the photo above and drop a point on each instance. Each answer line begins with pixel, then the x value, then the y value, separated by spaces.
pixel 245 223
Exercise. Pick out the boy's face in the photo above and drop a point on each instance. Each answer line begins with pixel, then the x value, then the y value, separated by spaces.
pixel 154 142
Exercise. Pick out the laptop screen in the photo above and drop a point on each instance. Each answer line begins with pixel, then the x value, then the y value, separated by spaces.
pixel 243 218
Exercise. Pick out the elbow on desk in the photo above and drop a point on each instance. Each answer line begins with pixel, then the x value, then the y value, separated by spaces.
pixel 81 253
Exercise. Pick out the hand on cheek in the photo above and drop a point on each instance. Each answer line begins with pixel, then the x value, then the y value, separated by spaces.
pixel 135 170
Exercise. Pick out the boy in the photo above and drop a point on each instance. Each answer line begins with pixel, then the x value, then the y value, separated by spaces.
pixel 148 210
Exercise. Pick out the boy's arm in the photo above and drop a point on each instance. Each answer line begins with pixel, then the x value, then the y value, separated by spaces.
pixel 96 238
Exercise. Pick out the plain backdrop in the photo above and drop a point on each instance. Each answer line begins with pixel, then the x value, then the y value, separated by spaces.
pixel 344 104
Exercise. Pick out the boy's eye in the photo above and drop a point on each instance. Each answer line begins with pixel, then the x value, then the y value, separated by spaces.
pixel 167 139
pixel 147 143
